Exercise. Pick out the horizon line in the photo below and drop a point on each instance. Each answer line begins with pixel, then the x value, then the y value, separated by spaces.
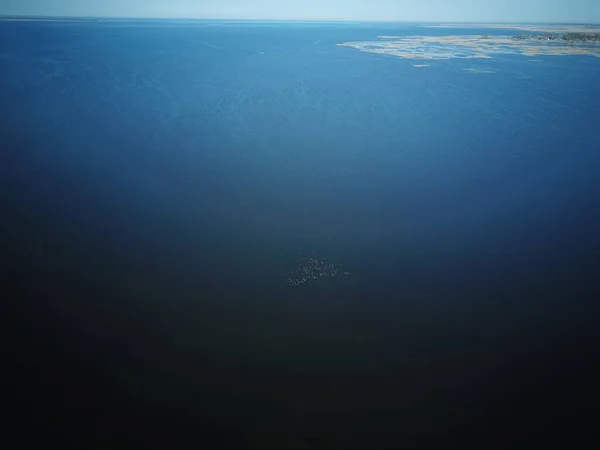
pixel 257 19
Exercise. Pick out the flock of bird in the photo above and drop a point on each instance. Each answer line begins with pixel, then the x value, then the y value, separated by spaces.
pixel 310 268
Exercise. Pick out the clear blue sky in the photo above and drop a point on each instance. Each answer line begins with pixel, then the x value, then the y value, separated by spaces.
pixel 419 10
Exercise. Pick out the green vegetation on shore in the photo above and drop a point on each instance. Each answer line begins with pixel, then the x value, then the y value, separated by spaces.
pixel 582 37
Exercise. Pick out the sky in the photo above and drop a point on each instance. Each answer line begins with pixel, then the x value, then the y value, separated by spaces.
pixel 586 11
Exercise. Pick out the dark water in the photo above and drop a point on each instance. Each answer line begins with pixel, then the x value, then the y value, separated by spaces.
pixel 159 180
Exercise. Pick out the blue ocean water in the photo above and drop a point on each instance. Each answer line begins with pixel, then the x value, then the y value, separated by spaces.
pixel 162 179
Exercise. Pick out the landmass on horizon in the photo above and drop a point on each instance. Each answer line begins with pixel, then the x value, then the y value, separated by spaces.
pixel 551 39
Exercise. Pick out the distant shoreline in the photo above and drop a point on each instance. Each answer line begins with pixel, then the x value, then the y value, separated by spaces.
pixel 481 46
pixel 543 28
